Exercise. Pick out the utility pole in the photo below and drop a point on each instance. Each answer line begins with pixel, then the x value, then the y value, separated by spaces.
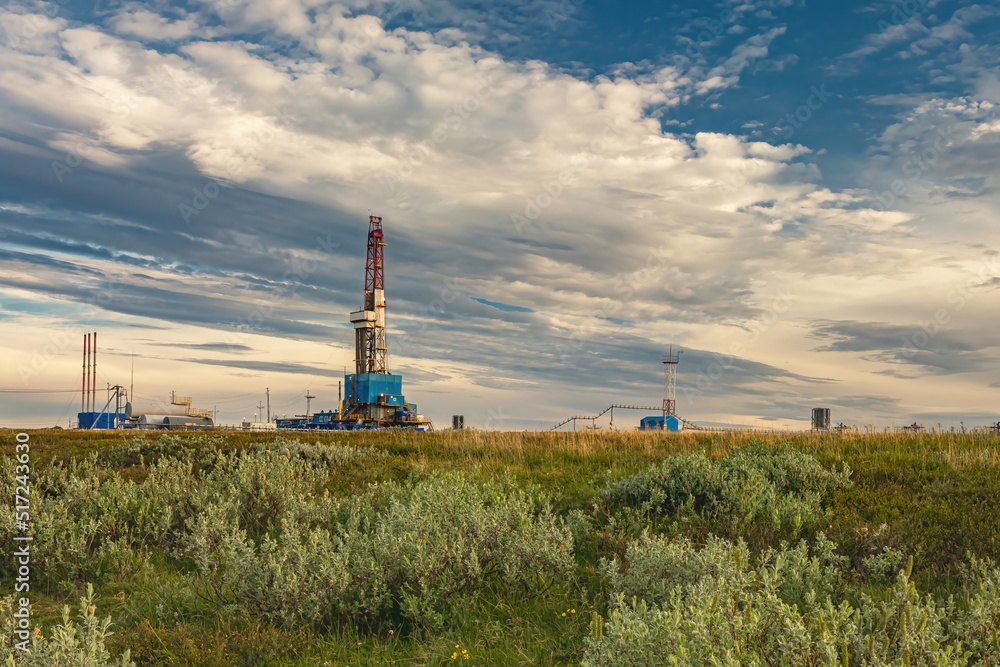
pixel 309 398
pixel 260 410
pixel 267 392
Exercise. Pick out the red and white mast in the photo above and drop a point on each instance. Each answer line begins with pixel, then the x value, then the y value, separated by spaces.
pixel 371 352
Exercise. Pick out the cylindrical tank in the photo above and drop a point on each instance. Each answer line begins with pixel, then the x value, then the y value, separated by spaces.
pixel 174 421
pixel 821 419
pixel 135 410
pixel 151 421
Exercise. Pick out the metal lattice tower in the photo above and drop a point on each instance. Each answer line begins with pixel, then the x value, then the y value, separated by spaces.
pixel 670 361
pixel 371 352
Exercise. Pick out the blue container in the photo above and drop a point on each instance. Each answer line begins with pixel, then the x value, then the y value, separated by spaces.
pixel 291 422
pixel 104 420
pixel 673 424
pixel 367 387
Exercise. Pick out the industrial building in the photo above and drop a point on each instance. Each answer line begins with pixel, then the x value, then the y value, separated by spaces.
pixel 177 414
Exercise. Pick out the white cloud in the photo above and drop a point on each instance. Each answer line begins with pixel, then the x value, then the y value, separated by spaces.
pixel 134 20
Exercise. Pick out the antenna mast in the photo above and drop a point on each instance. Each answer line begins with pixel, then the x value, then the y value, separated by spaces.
pixel 670 361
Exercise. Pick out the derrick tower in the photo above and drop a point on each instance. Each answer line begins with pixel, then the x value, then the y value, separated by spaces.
pixel 371 354
pixel 373 395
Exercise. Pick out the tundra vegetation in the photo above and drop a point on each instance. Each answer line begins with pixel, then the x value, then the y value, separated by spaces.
pixel 371 548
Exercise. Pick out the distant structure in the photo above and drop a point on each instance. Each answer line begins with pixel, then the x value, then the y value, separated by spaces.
pixel 373 397
pixel 669 423
pixel 458 422
pixel 90 416
pixel 177 414
pixel 821 420
pixel 670 361
pixel 914 428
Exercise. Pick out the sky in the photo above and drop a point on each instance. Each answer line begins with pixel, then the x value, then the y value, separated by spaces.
pixel 802 197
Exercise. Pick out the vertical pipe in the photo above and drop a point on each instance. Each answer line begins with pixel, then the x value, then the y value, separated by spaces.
pixel 93 382
pixel 90 361
pixel 83 377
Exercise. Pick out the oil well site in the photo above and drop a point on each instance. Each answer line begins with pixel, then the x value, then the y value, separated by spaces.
pixel 372 397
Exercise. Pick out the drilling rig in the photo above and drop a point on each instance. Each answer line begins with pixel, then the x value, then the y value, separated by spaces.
pixel 373 395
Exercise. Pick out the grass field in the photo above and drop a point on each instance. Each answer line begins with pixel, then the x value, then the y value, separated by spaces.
pixel 516 548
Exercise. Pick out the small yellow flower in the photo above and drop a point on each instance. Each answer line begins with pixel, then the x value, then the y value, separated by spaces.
pixel 572 611
pixel 564 613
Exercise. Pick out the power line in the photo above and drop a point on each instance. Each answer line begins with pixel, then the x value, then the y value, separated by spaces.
pixel 40 391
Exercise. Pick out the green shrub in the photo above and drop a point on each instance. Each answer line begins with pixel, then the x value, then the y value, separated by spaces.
pixel 683 606
pixel 88 522
pixel 69 645
pixel 779 489
pixel 420 549
pixel 657 566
